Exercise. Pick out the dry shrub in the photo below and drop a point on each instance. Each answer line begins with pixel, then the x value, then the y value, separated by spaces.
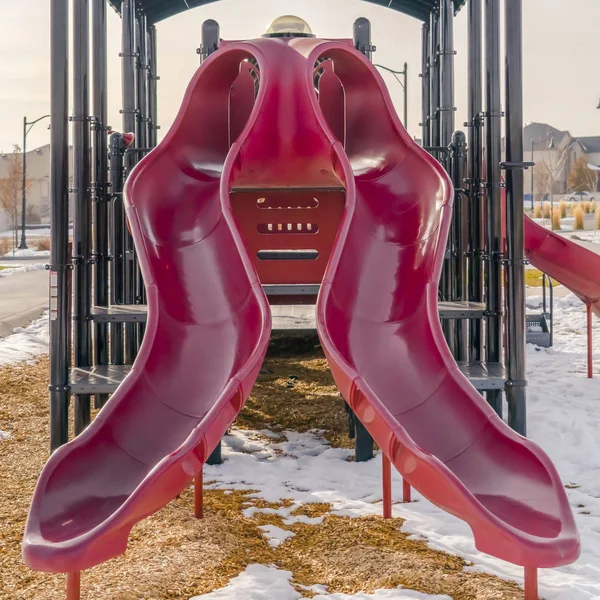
pixel 6 245
pixel 563 209
pixel 43 244
pixel 556 214
pixel 597 216
pixel 537 211
pixel 587 207
pixel 578 214
pixel 546 210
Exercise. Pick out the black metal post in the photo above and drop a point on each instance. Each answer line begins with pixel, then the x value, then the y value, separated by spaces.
pixel 362 37
pixel 211 36
pixel 405 89
pixel 23 244
pixel 475 151
pixel 494 195
pixel 81 196
pixel 434 80
pixel 117 248
pixel 515 281
pixel 152 86
pixel 447 118
pixel 99 185
pixel 363 442
pixel 425 85
pixel 130 114
pixel 60 325
pixel 460 226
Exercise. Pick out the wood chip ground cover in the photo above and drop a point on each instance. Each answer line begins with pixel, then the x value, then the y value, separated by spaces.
pixel 171 555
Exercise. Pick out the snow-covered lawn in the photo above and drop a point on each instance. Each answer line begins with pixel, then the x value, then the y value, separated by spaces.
pixel 29 253
pixel 26 343
pixel 563 417
pixel 9 269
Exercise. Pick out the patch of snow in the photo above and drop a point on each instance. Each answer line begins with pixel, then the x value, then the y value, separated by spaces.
pixel 11 270
pixel 29 253
pixel 563 419
pixel 276 535
pixel 4 435
pixel 264 582
pixel 26 343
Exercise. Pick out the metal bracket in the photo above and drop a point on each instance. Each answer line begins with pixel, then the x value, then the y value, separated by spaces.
pixel 516 165
pixel 67 267
pixel 59 388
pixel 135 111
pixel 129 54
pixel 516 383
pixel 488 185
pixel 492 314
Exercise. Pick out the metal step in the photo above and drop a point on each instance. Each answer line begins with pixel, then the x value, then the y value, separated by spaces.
pixel 291 289
pixel 138 313
pixel 484 376
pixel 461 310
pixel 122 313
pixel 104 379
pixel 101 379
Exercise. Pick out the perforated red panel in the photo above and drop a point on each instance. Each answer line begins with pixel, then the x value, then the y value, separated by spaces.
pixel 282 220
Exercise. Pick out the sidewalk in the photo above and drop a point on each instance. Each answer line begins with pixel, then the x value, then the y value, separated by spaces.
pixel 23 298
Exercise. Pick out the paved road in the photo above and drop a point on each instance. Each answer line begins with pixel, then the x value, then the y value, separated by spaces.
pixel 23 298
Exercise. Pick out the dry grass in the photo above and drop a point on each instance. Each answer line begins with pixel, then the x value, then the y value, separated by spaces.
pixel 556 219
pixel 42 244
pixel 172 556
pixel 588 207
pixel 533 278
pixel 597 216
pixel 578 213
pixel 546 210
pixel 6 245
pixel 537 211
pixel 562 205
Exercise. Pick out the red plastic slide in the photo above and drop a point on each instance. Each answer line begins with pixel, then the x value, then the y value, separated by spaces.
pixel 207 334
pixel 576 267
pixel 378 322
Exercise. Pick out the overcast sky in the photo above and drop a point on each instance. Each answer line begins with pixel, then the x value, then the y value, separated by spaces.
pixel 561 43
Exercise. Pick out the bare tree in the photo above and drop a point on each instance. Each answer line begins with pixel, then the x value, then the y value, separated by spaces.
pixel 581 177
pixel 11 188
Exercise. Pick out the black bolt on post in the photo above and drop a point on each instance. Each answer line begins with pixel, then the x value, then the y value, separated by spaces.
pixel 129 112
pixel 515 317
pixel 425 85
pixel 494 193
pixel 117 248
pixel 434 80
pixel 475 162
pixel 362 37
pixel 100 183
pixel 211 36
pixel 60 350
pixel 81 197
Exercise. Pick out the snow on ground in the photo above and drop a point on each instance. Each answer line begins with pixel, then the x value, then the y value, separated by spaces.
pixel 11 270
pixel 276 535
pixel 26 343
pixel 587 236
pixel 563 418
pixel 262 582
pixel 29 253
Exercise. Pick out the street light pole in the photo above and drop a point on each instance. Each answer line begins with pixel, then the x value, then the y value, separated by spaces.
pixel 23 243
pixel 404 85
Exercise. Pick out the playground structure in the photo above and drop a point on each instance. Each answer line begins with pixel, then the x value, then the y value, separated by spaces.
pixel 287 151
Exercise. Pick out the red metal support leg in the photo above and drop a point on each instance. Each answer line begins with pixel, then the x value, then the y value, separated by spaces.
pixel 199 495
pixel 589 342
pixel 406 494
pixel 74 586
pixel 387 486
pixel 531 583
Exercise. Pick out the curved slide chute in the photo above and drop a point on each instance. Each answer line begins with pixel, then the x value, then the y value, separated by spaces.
pixel 207 334
pixel 378 322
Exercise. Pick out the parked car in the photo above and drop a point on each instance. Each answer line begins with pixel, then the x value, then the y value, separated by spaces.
pixel 581 197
